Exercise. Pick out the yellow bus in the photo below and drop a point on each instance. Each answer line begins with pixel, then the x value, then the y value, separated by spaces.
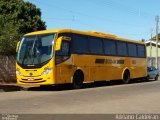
pixel 60 56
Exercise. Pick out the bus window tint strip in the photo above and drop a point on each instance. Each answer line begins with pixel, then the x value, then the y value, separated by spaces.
pixel 109 61
pixel 100 61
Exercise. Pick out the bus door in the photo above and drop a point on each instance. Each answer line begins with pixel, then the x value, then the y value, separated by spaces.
pixel 64 63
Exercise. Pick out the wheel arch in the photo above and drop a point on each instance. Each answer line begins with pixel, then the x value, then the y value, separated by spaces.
pixel 124 70
pixel 77 71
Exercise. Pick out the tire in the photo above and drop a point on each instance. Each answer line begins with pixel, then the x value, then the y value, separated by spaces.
pixel 78 80
pixel 126 77
pixel 147 78
pixel 156 78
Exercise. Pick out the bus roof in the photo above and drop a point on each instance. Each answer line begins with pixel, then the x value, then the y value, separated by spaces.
pixel 90 33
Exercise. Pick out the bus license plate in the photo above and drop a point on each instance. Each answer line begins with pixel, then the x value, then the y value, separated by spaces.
pixel 30 79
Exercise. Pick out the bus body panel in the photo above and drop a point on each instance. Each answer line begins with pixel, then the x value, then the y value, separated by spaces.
pixel 34 76
pixel 110 69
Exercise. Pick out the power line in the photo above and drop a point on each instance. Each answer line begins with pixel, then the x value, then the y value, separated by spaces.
pixel 100 18
pixel 74 17
pixel 124 8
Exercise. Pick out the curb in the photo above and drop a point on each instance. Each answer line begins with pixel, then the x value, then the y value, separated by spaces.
pixel 10 88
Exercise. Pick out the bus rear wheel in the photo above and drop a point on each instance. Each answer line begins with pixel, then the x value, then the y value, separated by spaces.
pixel 78 80
pixel 126 77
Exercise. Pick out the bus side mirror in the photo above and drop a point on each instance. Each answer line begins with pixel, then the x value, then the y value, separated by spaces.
pixel 18 43
pixel 59 42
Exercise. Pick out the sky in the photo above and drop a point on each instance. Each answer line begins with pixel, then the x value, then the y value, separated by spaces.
pixel 132 19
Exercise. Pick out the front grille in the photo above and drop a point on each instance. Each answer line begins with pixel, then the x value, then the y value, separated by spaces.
pixel 33 81
pixel 33 76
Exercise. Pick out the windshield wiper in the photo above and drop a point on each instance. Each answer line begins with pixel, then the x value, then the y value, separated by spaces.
pixel 25 56
pixel 29 52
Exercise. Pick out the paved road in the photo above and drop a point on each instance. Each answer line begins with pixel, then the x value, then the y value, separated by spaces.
pixel 140 97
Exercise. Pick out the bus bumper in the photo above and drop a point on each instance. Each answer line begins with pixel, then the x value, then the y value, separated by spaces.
pixel 35 81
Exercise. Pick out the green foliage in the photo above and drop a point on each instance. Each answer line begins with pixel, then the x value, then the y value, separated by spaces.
pixel 142 40
pixel 16 19
pixel 154 38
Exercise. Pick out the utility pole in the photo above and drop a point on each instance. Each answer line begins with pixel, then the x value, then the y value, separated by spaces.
pixel 151 60
pixel 157 20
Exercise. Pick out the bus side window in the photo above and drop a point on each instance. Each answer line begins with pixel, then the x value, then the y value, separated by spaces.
pixel 64 49
pixel 141 51
pixel 122 48
pixel 64 53
pixel 109 47
pixel 95 45
pixel 79 44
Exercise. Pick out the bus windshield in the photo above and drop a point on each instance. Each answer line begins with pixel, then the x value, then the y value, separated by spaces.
pixel 36 50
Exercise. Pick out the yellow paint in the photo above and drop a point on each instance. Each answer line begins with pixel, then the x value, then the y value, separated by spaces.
pixel 18 43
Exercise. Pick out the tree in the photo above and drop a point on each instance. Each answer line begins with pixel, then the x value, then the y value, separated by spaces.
pixel 17 18
pixel 154 38
pixel 142 40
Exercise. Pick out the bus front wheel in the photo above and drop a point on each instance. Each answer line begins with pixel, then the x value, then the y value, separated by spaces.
pixel 126 77
pixel 78 80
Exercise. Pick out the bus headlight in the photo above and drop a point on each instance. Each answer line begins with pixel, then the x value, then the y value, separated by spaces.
pixel 19 73
pixel 47 71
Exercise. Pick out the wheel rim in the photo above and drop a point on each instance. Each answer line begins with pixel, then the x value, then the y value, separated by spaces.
pixel 78 81
pixel 156 78
pixel 126 77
